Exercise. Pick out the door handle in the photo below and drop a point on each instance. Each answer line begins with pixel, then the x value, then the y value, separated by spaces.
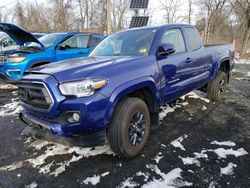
pixel 80 53
pixel 188 60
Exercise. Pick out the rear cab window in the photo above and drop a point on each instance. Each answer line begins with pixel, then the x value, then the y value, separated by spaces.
pixel 193 38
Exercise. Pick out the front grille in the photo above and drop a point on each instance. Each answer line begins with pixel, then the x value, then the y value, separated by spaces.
pixel 35 95
pixel 2 59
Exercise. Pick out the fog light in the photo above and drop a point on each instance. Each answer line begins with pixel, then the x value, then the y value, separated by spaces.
pixel 73 117
pixel 76 117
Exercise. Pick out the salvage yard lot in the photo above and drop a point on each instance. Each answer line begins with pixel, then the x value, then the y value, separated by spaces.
pixel 198 144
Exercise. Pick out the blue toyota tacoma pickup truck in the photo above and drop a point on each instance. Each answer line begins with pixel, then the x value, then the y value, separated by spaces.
pixel 114 95
pixel 47 49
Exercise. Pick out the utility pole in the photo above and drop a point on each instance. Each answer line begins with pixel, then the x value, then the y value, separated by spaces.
pixel 108 17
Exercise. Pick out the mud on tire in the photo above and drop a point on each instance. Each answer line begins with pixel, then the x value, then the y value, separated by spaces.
pixel 216 88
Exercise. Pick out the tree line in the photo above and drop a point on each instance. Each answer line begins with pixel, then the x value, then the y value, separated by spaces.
pixel 219 21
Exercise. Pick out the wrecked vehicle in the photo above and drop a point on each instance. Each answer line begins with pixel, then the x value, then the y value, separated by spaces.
pixel 114 95
pixel 47 49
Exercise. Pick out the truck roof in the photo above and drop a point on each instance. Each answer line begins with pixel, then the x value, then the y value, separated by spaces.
pixel 157 27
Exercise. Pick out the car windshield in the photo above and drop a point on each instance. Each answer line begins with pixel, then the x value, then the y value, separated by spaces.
pixel 128 43
pixel 47 40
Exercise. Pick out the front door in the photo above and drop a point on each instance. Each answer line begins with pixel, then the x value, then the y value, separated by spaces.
pixel 175 67
pixel 74 47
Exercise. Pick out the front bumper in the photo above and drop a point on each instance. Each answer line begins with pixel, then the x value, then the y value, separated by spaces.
pixel 91 110
pixel 13 71
pixel 89 140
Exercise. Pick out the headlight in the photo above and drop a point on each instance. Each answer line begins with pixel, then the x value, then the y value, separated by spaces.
pixel 82 88
pixel 16 59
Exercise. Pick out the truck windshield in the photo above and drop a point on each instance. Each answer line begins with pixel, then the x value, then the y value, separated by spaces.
pixel 47 40
pixel 128 43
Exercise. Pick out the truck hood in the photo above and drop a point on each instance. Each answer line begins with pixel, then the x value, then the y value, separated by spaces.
pixel 76 69
pixel 19 35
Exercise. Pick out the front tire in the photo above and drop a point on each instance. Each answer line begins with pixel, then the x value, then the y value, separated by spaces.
pixel 216 88
pixel 129 128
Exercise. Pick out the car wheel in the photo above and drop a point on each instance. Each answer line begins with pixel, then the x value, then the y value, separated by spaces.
pixel 129 129
pixel 216 88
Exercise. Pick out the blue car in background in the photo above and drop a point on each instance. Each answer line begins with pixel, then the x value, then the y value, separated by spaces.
pixel 47 49
pixel 7 44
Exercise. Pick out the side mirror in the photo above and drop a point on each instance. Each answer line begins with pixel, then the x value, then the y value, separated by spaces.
pixel 62 47
pixel 166 49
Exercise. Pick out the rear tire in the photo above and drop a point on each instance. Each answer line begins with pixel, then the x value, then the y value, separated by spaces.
pixel 129 128
pixel 216 88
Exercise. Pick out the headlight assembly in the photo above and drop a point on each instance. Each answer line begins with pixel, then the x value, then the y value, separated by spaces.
pixel 16 59
pixel 82 88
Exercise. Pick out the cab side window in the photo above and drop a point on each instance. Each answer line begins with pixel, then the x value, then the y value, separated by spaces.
pixel 174 37
pixel 193 37
pixel 80 41
pixel 71 43
pixel 93 41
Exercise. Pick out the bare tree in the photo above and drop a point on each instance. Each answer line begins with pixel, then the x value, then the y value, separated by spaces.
pixel 216 12
pixel 190 3
pixel 119 9
pixel 20 14
pixel 171 8
pixel 242 12
pixel 61 14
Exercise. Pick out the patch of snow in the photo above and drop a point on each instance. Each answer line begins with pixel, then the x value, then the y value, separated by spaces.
pixel 19 175
pixel 190 161
pixel 200 155
pixel 38 144
pixel 92 180
pixel 204 107
pixel 13 166
pixel 28 140
pixel 32 185
pixel 145 175
pixel 63 165
pixel 128 183
pixel 225 143
pixel 248 74
pixel 167 180
pixel 165 110
pixel 223 153
pixel 197 95
pixel 177 143
pixel 95 179
pixel 242 61
pixel 158 157
pixel 228 170
pixel 105 174
pixel 239 78
pixel 163 146
pixel 191 171
pixel 10 109
pixel 211 185
pixel 46 169
pixel 57 149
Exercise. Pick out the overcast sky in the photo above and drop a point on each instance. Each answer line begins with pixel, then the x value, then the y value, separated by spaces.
pixel 154 5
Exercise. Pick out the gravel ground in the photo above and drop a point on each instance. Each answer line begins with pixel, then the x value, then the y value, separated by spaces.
pixel 198 144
